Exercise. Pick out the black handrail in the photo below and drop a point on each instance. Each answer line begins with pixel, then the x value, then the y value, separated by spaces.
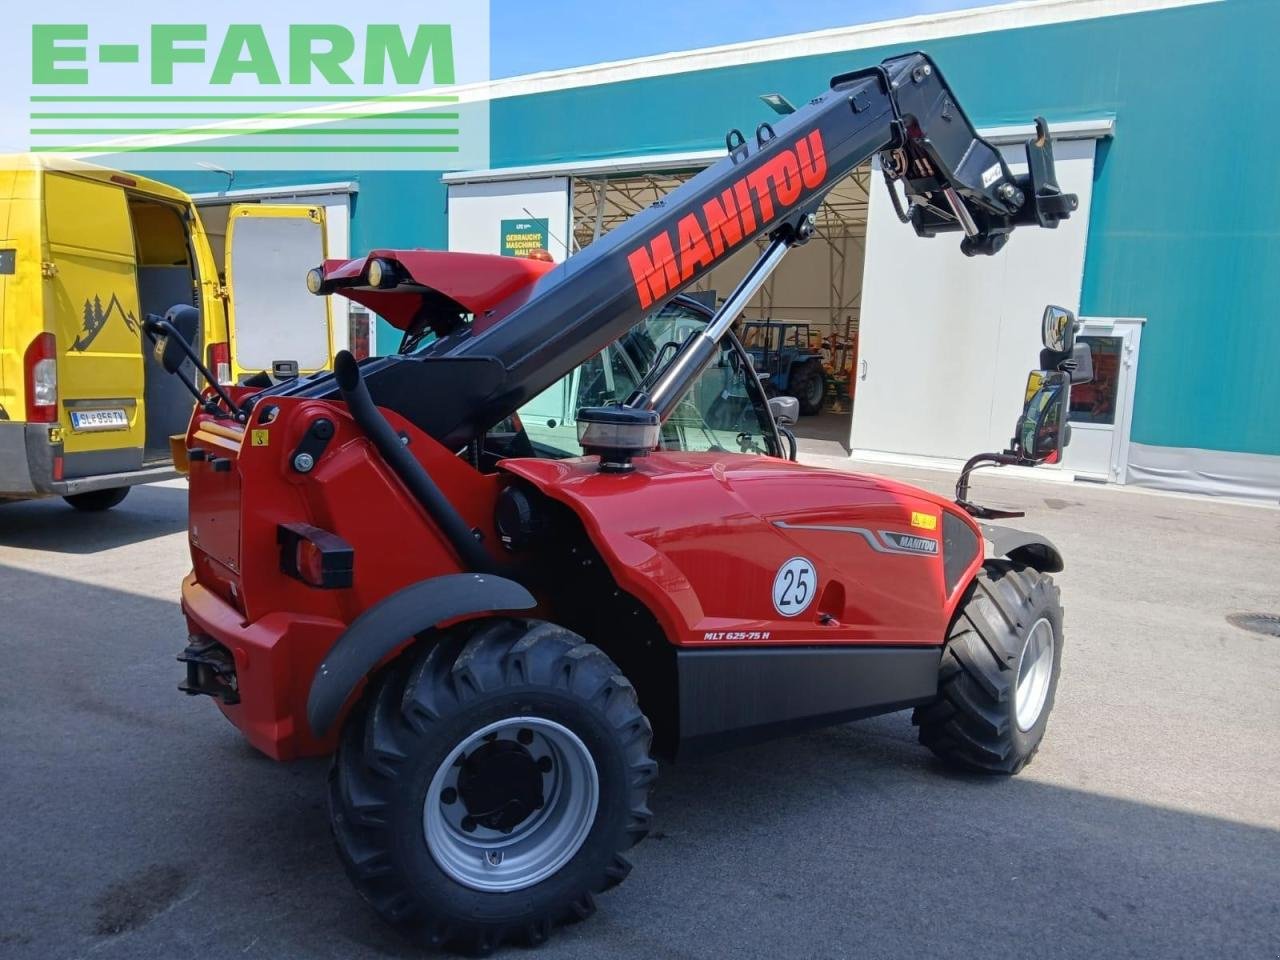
pixel 406 466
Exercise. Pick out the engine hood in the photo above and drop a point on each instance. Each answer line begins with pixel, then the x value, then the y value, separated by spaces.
pixel 703 538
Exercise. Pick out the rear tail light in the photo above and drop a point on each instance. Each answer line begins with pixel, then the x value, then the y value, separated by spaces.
pixel 316 557
pixel 218 360
pixel 40 369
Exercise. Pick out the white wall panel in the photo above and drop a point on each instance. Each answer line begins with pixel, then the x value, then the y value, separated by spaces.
pixel 476 212
pixel 947 340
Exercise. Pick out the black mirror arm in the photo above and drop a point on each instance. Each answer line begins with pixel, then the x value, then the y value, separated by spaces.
pixel 962 484
pixel 157 326
pixel 792 446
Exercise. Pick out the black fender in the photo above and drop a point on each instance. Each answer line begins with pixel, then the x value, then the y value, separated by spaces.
pixel 1018 545
pixel 394 619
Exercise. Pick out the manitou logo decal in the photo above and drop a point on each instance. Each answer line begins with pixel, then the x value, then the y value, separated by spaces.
pixel 667 261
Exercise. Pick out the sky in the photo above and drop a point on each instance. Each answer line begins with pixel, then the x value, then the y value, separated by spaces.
pixel 533 35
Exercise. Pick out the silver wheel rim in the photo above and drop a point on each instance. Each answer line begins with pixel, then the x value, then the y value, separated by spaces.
pixel 1035 669
pixel 496 860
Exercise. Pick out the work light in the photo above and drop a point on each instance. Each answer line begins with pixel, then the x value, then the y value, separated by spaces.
pixel 315 280
pixel 381 274
pixel 617 434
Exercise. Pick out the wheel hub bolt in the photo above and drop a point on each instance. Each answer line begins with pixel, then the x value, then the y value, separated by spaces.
pixel 525 736
pixel 448 795
pixel 544 764
pixel 469 824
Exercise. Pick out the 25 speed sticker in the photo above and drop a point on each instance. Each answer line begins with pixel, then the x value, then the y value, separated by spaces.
pixel 794 586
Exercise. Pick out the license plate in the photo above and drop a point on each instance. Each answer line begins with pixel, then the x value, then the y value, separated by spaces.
pixel 99 420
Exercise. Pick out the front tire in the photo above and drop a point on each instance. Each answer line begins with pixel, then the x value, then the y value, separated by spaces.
pixel 491 784
pixel 999 672
pixel 95 501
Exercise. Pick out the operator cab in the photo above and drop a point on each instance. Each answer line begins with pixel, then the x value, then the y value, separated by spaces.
pixel 437 297
pixel 726 409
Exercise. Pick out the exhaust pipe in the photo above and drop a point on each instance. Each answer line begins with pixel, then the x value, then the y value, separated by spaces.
pixel 406 466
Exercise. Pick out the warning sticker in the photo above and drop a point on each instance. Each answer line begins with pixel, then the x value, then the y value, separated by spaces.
pixel 925 521
pixel 260 438
pixel 991 175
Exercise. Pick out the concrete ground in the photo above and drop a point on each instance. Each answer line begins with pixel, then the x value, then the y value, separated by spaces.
pixel 138 825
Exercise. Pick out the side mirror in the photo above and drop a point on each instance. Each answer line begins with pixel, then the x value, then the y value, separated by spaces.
pixel 1058 329
pixel 785 410
pixel 1041 434
pixel 1082 363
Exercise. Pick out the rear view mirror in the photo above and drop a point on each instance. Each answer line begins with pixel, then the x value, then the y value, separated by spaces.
pixel 1082 363
pixel 1058 329
pixel 785 410
pixel 1041 434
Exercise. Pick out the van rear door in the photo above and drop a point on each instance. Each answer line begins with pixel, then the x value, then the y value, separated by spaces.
pixel 270 315
pixel 93 295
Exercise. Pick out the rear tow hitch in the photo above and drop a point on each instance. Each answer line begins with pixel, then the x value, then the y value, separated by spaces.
pixel 211 670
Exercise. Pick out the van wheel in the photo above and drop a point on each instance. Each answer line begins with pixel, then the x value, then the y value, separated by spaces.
pixel 97 500
pixel 490 784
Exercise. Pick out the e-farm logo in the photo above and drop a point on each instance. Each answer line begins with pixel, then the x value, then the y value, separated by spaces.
pixel 316 51
pixel 249 93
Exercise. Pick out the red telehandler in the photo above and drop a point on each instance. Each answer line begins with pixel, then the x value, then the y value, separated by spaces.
pixel 492 629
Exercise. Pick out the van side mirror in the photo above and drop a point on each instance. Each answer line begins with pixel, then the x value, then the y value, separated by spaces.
pixel 1041 434
pixel 1058 329
pixel 785 410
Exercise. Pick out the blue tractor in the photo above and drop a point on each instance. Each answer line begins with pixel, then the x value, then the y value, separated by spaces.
pixel 785 361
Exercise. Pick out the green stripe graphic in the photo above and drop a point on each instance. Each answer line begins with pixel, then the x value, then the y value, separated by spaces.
pixel 392 98
pixel 284 132
pixel 183 115
pixel 206 148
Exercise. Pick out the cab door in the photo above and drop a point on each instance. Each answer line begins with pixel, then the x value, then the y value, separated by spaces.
pixel 271 318
pixel 92 296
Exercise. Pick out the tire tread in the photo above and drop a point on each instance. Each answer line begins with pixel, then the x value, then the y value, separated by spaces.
pixel 970 724
pixel 431 684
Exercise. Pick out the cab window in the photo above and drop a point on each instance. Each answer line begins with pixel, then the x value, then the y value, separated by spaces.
pixel 725 410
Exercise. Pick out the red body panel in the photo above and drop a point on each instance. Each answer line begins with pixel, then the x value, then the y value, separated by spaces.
pixel 695 537
pixel 277 626
pixel 478 282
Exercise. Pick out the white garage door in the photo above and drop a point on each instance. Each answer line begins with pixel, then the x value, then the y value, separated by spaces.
pixel 510 216
pixel 946 340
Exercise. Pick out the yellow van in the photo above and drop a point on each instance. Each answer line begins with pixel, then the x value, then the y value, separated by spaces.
pixel 86 253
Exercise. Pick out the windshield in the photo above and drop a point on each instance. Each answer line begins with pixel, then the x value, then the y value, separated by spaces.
pixel 725 410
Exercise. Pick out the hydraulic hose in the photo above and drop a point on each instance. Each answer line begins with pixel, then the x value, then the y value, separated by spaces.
pixel 406 466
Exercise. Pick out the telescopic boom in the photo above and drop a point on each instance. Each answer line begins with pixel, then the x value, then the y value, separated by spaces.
pixel 769 185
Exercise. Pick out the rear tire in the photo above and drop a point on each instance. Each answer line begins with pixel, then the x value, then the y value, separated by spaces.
pixel 96 501
pixel 999 672
pixel 808 385
pixel 412 789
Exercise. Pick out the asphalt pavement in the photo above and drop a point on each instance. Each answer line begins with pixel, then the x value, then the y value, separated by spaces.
pixel 137 823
